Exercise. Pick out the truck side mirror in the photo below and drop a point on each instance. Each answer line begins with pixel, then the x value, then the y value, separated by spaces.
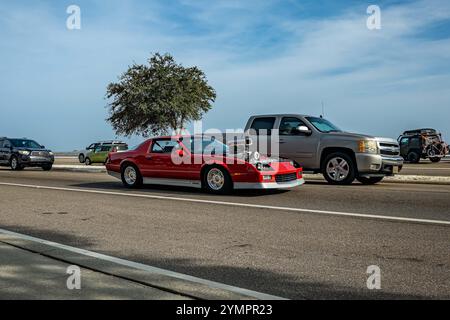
pixel 304 130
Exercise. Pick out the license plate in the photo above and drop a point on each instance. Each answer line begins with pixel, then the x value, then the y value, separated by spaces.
pixel 394 169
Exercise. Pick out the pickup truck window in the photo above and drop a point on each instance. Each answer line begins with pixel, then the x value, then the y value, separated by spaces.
pixel 323 125
pixel 263 124
pixel 289 125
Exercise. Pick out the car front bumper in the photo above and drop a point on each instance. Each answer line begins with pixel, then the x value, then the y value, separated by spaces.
pixel 269 185
pixel 372 165
pixel 34 161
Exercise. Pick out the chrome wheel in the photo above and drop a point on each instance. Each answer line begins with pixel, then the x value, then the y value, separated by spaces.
pixel 130 175
pixel 215 179
pixel 14 163
pixel 338 169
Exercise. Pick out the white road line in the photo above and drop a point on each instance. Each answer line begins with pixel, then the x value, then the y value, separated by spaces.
pixel 147 268
pixel 236 204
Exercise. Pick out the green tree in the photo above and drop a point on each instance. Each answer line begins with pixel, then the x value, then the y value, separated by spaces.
pixel 159 97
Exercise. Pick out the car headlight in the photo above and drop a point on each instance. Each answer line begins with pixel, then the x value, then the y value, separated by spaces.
pixel 50 153
pixel 24 152
pixel 368 146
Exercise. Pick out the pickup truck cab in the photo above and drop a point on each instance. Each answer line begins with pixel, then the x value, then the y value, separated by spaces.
pixel 321 147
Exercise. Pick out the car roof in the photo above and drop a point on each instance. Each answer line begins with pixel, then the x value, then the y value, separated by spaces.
pixel 281 115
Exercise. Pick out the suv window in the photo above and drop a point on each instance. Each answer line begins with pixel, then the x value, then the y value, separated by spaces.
pixel 289 125
pixel 263 124
pixel 163 146
pixel 1 143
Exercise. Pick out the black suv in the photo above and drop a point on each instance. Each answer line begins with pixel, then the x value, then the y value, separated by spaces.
pixel 21 153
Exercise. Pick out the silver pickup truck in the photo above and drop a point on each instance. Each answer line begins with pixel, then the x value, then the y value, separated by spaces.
pixel 320 147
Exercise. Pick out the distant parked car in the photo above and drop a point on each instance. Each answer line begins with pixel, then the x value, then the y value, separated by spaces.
pixel 82 155
pixel 21 153
pixel 208 164
pixel 100 153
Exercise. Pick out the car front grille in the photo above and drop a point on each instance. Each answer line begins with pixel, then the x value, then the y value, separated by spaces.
pixel 43 154
pixel 389 149
pixel 280 178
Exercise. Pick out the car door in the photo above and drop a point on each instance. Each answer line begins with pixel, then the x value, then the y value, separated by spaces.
pixel 404 146
pixel 297 145
pixel 158 161
pixel 5 153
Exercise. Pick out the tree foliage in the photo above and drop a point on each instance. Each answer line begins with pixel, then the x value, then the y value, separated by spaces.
pixel 156 98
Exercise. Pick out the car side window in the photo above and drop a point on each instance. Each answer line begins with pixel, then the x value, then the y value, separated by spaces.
pixel 289 125
pixel 2 143
pixel 263 125
pixel 6 144
pixel 404 141
pixel 97 149
pixel 163 146
pixel 105 148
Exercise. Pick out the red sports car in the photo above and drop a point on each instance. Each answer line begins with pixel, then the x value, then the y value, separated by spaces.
pixel 199 162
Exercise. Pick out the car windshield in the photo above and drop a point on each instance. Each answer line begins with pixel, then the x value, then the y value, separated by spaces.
pixel 24 143
pixel 202 146
pixel 323 125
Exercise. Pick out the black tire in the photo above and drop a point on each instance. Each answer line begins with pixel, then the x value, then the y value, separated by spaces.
pixel 435 160
pixel 81 158
pixel 47 168
pixel 15 164
pixel 413 157
pixel 88 161
pixel 371 180
pixel 350 167
pixel 224 186
pixel 138 181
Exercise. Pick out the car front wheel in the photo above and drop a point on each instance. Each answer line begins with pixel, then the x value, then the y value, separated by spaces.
pixel 339 168
pixel 413 157
pixel 131 177
pixel 47 167
pixel 217 180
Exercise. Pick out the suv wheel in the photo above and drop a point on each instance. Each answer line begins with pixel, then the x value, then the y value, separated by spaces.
pixel 371 180
pixel 413 157
pixel 14 164
pixel 217 180
pixel 81 158
pixel 131 177
pixel 47 167
pixel 87 161
pixel 339 168
pixel 436 159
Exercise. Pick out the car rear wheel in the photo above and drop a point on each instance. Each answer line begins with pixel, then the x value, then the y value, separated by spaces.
pixel 217 180
pixel 435 159
pixel 15 164
pixel 413 157
pixel 88 161
pixel 81 158
pixel 339 168
pixel 131 177
pixel 371 180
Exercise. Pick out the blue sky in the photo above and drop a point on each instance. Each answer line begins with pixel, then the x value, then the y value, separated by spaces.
pixel 262 56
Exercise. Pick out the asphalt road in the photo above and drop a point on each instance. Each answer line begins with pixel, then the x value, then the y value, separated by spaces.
pixel 293 254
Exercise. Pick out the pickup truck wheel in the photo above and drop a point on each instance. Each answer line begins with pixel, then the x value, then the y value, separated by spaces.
pixel 339 168
pixel 15 164
pixel 413 157
pixel 81 158
pixel 217 180
pixel 131 176
pixel 371 180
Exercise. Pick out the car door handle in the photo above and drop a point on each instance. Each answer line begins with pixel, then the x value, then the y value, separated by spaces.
pixel 148 157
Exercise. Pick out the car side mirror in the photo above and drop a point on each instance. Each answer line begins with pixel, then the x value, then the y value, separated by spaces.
pixel 304 130
pixel 43 147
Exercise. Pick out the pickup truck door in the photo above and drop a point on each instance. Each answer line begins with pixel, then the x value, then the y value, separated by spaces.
pixel 296 145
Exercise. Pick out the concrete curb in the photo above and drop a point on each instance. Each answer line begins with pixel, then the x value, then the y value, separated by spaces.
pixel 165 280
pixel 409 179
pixel 413 179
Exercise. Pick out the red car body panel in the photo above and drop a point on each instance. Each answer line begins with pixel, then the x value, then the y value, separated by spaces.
pixel 159 167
